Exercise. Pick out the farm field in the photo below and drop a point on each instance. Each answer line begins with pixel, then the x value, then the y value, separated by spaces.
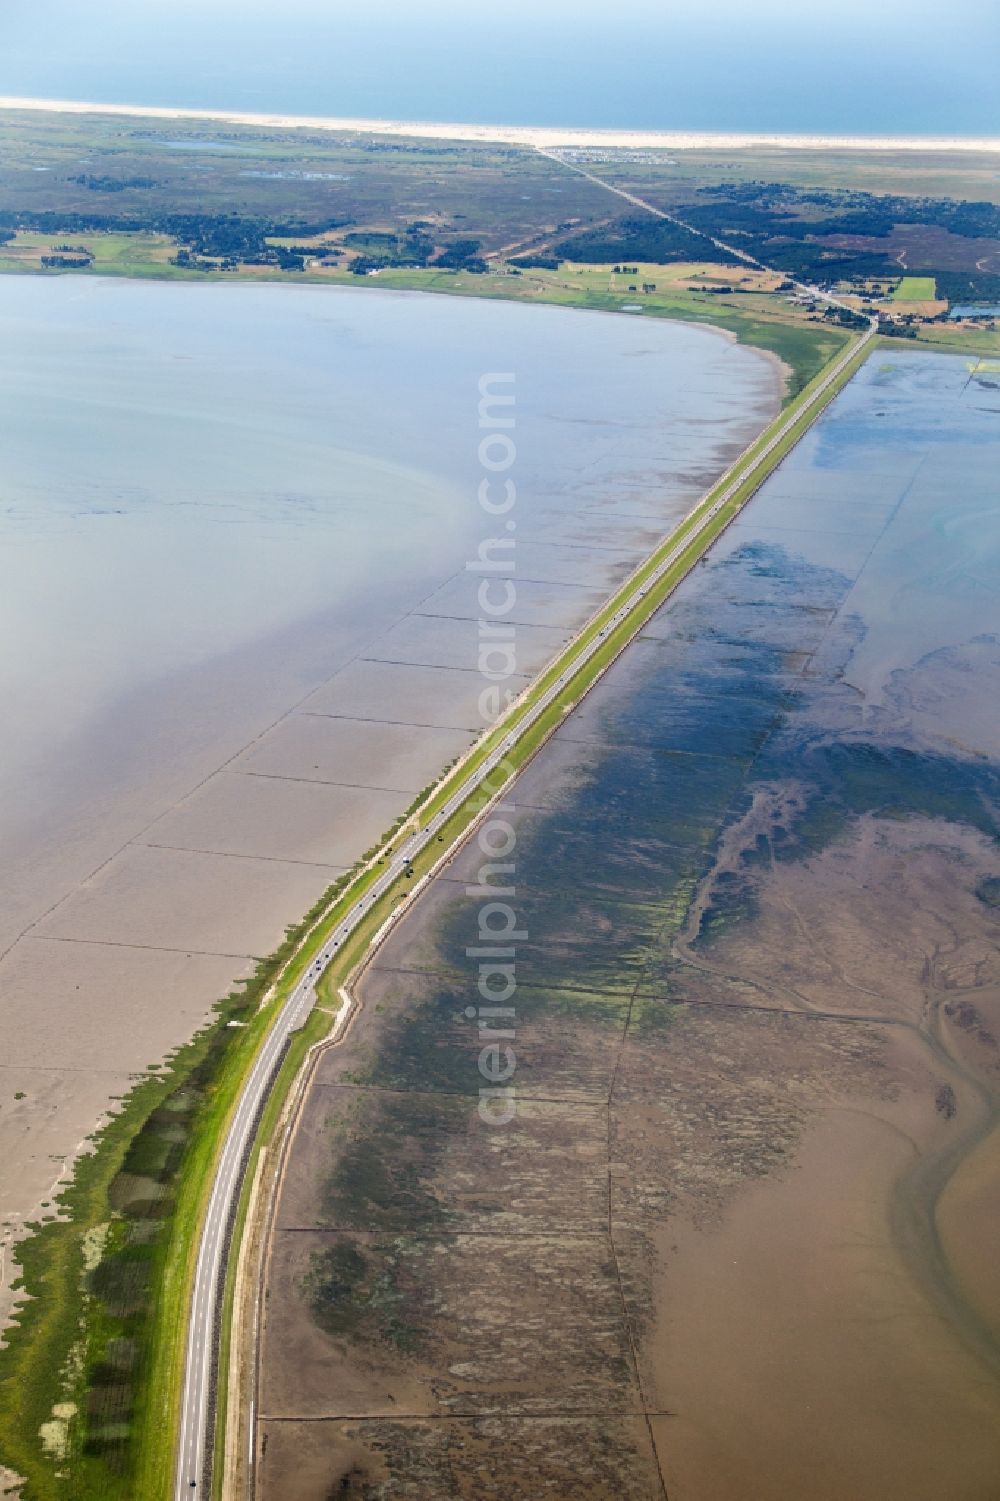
pixel 915 289
pixel 137 254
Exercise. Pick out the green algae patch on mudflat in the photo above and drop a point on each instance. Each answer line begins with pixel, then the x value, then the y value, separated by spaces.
pixel 425 1040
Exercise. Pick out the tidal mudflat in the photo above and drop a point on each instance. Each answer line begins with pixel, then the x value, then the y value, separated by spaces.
pixel 735 1241
pixel 237 640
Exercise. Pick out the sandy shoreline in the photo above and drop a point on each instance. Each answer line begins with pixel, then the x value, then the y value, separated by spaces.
pixel 524 135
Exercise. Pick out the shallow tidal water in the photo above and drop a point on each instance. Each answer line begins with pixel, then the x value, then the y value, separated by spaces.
pixel 236 632
pixel 192 473
pixel 757 1017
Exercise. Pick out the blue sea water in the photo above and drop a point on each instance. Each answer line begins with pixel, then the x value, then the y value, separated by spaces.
pixel 770 67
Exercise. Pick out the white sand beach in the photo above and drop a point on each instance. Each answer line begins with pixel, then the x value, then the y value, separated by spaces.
pixel 538 136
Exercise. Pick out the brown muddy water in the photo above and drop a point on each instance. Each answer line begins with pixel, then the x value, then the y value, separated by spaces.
pixel 235 646
pixel 737 1240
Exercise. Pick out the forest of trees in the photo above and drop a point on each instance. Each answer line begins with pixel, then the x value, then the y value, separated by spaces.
pixel 968 286
pixel 462 255
pixel 112 184
pixel 636 237
pixel 791 229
